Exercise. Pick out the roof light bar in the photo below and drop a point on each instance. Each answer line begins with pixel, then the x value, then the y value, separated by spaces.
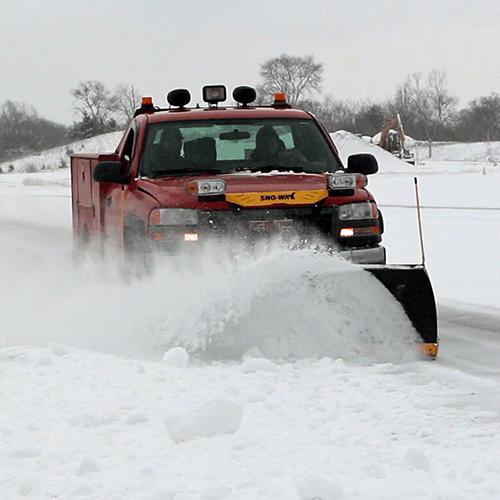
pixel 213 94
pixel 179 97
pixel 280 101
pixel 244 95
pixel 147 106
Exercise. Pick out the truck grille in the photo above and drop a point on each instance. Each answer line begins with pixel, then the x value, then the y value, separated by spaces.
pixel 250 221
pixel 305 222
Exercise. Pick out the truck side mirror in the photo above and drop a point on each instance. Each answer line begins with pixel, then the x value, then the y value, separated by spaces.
pixel 110 171
pixel 362 163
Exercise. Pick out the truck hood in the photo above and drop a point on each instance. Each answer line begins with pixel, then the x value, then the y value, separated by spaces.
pixel 245 189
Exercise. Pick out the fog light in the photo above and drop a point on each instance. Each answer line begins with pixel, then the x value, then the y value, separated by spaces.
pixel 190 237
pixel 346 231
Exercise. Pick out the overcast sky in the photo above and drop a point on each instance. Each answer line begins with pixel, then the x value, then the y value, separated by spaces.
pixel 367 47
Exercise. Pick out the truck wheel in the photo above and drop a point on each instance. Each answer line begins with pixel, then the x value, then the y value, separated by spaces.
pixel 138 255
pixel 80 253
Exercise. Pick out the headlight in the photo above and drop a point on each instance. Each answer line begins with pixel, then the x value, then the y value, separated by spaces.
pixel 347 181
pixel 206 187
pixel 174 217
pixel 358 211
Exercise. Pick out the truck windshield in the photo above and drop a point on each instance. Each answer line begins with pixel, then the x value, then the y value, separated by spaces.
pixel 225 146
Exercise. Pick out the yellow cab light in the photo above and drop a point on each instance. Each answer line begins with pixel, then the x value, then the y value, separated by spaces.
pixel 361 181
pixel 280 101
pixel 147 106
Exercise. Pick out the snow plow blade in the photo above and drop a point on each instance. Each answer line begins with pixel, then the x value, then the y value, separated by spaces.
pixel 411 287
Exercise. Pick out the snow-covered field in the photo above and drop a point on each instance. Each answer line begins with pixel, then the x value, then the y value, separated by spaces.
pixel 95 406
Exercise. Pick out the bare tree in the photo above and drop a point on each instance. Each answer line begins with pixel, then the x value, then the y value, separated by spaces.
pixel 94 101
pixel 403 101
pixel 425 107
pixel 96 106
pixel 293 75
pixel 127 101
pixel 441 102
pixel 333 114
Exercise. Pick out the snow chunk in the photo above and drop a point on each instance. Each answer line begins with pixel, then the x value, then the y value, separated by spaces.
pixel 34 181
pixel 315 488
pixel 217 492
pixel 254 365
pixel 417 459
pixel 27 485
pixel 177 356
pixel 25 453
pixel 137 418
pixel 88 465
pixel 58 349
pixel 18 355
pixel 83 490
pixel 218 416
pixel 44 361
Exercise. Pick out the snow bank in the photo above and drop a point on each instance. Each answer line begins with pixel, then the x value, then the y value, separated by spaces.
pixel 488 152
pixel 58 158
pixel 349 144
pixel 481 152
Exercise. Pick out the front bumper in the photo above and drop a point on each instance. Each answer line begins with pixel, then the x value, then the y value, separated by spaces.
pixel 314 225
pixel 376 255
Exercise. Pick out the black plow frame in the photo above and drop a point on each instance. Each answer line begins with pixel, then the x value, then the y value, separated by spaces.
pixel 411 287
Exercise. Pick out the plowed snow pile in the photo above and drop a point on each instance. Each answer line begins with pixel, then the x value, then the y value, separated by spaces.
pixel 283 304
pixel 278 304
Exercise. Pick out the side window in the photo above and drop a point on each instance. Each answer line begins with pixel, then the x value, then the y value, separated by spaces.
pixel 129 149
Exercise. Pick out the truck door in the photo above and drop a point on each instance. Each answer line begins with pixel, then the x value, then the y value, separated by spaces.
pixel 84 210
pixel 114 197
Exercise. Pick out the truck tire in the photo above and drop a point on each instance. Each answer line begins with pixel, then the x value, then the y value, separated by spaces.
pixel 81 252
pixel 137 253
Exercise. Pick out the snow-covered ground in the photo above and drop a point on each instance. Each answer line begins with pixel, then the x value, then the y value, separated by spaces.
pixel 99 403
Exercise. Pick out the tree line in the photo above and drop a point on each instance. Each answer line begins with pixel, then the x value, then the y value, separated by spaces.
pixel 427 109
pixel 23 131
pixel 98 111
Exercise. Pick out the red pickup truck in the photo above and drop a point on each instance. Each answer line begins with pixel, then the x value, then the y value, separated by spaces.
pixel 182 176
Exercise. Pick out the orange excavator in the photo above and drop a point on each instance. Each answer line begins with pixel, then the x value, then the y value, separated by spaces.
pixel 392 139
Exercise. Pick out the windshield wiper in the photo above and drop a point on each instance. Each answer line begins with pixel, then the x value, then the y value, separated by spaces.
pixel 185 171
